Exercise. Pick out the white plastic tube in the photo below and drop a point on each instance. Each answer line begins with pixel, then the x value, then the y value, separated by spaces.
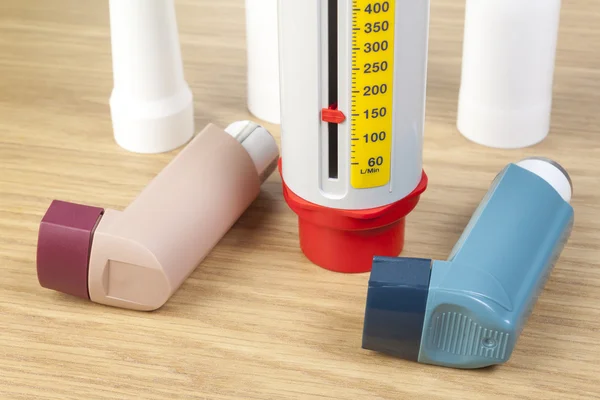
pixel 263 59
pixel 151 103
pixel 507 72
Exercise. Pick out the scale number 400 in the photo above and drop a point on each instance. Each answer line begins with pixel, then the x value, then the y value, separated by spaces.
pixel 377 8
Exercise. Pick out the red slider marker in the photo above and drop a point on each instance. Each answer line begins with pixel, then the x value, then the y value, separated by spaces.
pixel 332 115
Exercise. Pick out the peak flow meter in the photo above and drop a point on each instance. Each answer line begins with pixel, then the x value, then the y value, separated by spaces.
pixel 353 80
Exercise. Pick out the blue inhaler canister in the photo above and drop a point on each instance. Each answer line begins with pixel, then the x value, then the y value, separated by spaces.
pixel 468 311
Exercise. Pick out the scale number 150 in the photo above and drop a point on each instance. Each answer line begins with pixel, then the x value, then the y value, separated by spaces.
pixel 375 113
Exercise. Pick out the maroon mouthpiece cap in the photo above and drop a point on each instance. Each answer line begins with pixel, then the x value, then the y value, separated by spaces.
pixel 64 245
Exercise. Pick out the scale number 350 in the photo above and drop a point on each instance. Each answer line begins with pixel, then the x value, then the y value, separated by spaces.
pixel 375 27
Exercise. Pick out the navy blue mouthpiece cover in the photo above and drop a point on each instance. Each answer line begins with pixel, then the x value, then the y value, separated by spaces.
pixel 396 304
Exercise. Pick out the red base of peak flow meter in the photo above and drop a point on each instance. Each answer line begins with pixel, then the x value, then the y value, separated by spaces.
pixel 347 240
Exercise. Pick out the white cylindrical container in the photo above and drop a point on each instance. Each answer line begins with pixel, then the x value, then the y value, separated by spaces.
pixel 151 103
pixel 263 59
pixel 507 71
pixel 353 79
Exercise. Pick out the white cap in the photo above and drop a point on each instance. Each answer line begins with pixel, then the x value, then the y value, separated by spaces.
pixel 151 103
pixel 507 71
pixel 551 172
pixel 263 59
pixel 259 144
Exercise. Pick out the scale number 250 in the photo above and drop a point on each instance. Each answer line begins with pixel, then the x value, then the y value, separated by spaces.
pixel 373 68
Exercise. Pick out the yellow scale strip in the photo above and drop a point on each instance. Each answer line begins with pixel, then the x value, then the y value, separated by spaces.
pixel 372 92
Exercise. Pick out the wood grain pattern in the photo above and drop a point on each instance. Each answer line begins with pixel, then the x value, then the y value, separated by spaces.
pixel 257 320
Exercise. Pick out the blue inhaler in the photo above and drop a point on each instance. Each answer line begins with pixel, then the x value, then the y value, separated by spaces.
pixel 468 311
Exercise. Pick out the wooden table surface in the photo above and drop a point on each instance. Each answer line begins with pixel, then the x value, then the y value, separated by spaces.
pixel 256 320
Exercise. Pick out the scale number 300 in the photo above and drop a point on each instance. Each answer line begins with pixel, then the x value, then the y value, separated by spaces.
pixel 376 47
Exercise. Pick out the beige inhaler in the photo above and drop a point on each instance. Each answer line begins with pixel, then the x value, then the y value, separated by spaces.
pixel 137 258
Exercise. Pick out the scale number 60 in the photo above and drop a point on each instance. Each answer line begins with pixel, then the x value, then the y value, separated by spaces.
pixel 375 161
